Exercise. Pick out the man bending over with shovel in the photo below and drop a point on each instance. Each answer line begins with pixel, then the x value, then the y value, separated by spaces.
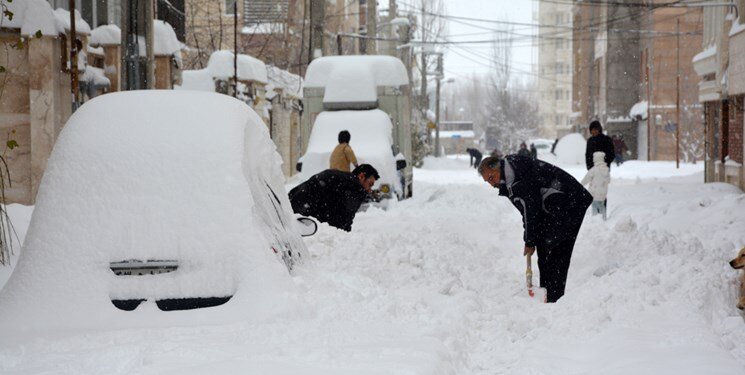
pixel 552 204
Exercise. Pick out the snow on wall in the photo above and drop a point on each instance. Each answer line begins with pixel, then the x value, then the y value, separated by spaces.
pixel 571 149
pixel 151 174
pixel 31 16
pixel 95 76
pixel 63 17
pixel 292 84
pixel 708 52
pixel 165 42
pixel 639 110
pixel 371 141
pixel 106 35
pixel 220 65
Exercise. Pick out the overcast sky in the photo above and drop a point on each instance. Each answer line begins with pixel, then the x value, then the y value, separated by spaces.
pixel 465 59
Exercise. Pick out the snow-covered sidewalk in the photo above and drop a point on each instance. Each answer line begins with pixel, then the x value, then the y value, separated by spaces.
pixel 435 285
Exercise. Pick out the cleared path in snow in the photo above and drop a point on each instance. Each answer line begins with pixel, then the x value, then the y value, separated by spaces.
pixel 435 285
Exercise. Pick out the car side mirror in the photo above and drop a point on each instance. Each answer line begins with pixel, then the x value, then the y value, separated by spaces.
pixel 307 226
pixel 299 167
pixel 400 164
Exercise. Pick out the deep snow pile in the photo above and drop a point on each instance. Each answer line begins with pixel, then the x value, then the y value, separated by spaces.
pixel 436 286
pixel 571 149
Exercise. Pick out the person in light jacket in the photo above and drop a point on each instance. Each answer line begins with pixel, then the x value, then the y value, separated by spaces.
pixel 597 180
pixel 343 155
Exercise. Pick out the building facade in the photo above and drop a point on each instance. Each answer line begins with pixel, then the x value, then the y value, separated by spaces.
pixel 555 66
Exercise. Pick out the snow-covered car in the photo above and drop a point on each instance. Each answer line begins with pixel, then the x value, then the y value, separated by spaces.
pixel 155 201
pixel 371 141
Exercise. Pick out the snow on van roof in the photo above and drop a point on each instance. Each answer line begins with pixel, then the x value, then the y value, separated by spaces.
pixel 355 78
pixel 249 68
pixel 371 141
pixel 106 35
pixel 31 16
pixel 151 174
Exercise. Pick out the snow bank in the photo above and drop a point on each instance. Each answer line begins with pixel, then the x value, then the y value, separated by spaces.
pixel 371 141
pixel 106 35
pixel 167 175
pixel 31 16
pixel 571 149
pixel 63 17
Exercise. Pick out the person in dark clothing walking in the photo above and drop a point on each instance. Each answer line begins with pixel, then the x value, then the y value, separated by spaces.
pixel 619 146
pixel 533 151
pixel 598 142
pixel 474 157
pixel 553 147
pixel 333 196
pixel 552 204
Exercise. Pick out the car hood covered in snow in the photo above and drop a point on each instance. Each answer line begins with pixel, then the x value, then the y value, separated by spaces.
pixel 170 175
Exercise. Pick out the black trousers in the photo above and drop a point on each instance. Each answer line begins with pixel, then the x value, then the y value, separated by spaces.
pixel 553 265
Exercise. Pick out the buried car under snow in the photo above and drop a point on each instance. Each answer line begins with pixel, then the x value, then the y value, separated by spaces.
pixel 156 201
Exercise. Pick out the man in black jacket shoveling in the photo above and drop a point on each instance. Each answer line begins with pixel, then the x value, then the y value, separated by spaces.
pixel 333 196
pixel 552 204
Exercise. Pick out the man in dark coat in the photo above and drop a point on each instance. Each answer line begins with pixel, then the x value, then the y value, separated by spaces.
pixel 552 204
pixel 333 196
pixel 474 157
pixel 598 142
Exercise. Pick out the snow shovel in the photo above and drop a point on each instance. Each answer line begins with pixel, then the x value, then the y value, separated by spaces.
pixel 532 292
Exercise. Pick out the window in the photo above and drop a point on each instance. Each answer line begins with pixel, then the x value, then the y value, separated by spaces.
pixel 229 6
pixel 557 95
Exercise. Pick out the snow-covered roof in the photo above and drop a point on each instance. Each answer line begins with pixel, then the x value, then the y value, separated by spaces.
pixel 63 17
pixel 371 140
pixel 95 76
pixel 355 78
pixel 639 110
pixel 106 35
pixel 220 65
pixel 32 16
pixel 165 42
pixel 290 83
pixel 163 175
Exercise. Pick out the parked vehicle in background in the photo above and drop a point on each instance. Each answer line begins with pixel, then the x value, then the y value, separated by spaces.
pixel 156 200
pixel 358 93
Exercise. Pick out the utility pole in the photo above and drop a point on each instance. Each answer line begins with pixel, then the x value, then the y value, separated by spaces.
pixel 437 105
pixel 677 96
pixel 235 48
pixel 73 57
pixel 149 39
pixel 371 25
pixel 317 16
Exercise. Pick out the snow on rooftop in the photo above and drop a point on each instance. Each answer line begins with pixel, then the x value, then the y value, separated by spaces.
pixel 106 35
pixel 639 110
pixel 164 39
pixel 196 80
pixel 31 16
pixel 385 70
pixel 63 17
pixel 249 68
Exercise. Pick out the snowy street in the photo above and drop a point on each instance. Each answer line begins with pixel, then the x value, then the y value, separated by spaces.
pixel 436 285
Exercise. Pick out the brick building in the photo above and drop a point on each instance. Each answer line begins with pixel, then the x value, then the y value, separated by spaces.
pixel 720 65
pixel 670 39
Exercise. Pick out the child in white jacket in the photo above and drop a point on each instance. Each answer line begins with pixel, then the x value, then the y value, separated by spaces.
pixel 598 178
